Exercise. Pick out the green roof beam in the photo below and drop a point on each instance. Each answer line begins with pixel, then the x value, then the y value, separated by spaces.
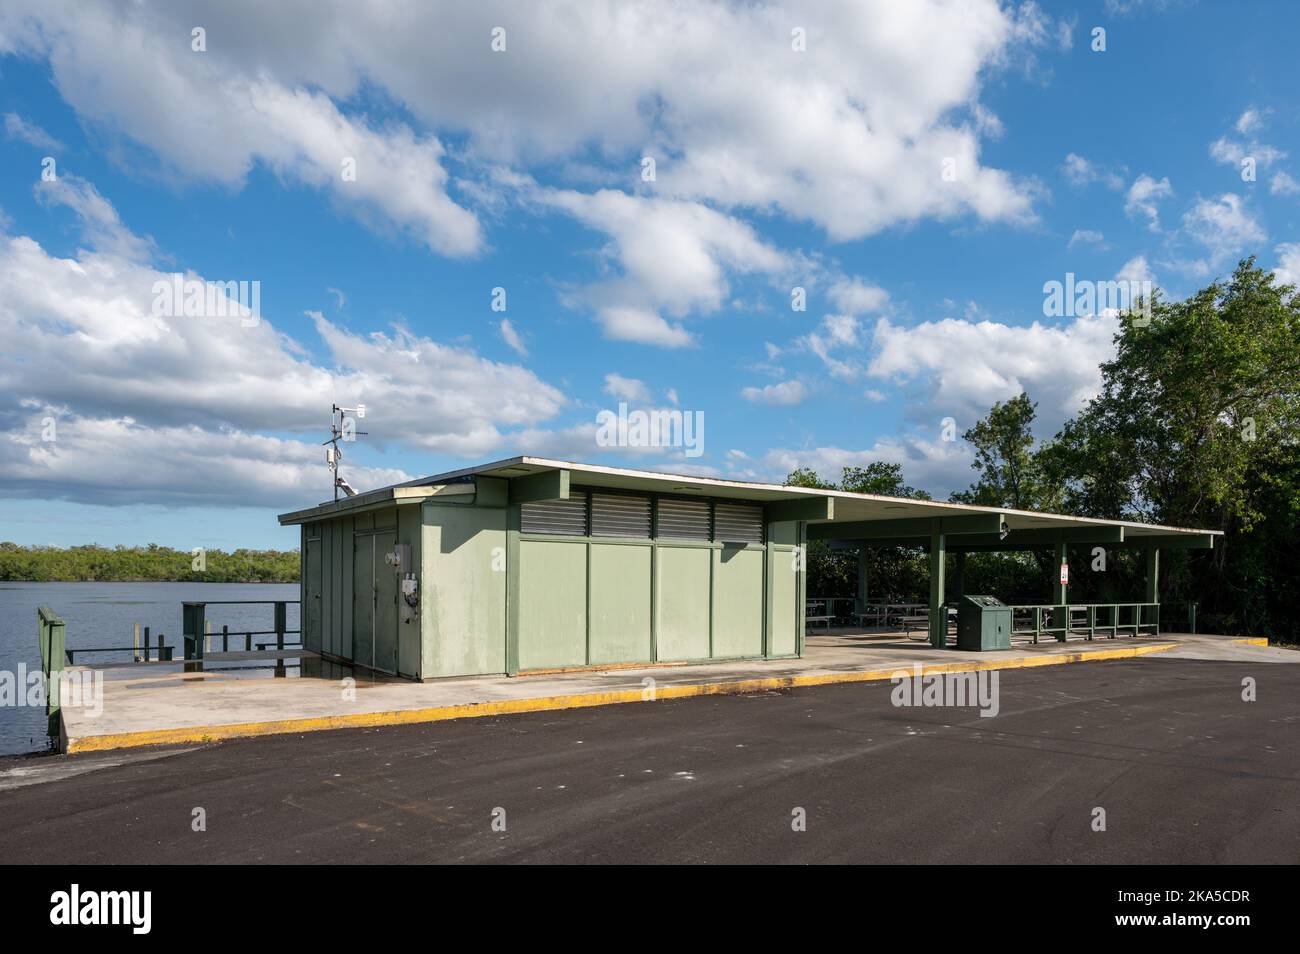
pixel 905 527
pixel 814 508
pixel 548 485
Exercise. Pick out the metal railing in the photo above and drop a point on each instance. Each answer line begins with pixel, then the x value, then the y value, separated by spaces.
pixel 197 636
pixel 1085 619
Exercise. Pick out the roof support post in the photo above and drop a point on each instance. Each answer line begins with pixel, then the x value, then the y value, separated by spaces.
pixel 860 604
pixel 1153 575
pixel 938 612
pixel 1062 558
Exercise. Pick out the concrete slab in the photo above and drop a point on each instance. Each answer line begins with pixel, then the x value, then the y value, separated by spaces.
pixel 158 703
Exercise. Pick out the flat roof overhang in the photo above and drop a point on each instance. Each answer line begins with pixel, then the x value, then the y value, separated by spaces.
pixel 380 499
pixel 851 519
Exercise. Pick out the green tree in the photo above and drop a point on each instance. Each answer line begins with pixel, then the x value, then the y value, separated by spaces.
pixel 1195 410
pixel 807 477
pixel 145 564
pixel 880 478
pixel 1196 424
pixel 1009 471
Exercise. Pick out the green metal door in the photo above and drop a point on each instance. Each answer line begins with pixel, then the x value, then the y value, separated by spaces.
pixel 386 615
pixel 363 599
pixel 311 636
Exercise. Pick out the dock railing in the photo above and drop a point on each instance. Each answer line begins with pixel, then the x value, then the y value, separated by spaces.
pixel 197 636
pixel 163 651
pixel 52 634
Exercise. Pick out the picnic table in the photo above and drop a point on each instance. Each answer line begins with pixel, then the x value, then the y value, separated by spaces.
pixel 815 611
pixel 921 622
pixel 885 613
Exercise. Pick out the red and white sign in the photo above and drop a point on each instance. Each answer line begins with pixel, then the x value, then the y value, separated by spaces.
pixel 1065 574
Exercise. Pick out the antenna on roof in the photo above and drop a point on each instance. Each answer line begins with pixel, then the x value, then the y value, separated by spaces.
pixel 342 428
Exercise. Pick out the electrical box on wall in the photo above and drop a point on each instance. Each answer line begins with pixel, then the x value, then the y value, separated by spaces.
pixel 410 602
pixel 400 558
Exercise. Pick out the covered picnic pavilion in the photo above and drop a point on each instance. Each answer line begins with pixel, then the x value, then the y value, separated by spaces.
pixel 862 521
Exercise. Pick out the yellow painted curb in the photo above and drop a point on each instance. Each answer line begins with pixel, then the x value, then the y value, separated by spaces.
pixel 211 733
pixel 1253 641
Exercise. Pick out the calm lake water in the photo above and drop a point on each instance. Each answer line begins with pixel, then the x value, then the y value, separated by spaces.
pixel 104 614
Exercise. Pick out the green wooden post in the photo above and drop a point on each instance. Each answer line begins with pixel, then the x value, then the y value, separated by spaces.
pixel 52 639
pixel 938 612
pixel 281 624
pixel 192 633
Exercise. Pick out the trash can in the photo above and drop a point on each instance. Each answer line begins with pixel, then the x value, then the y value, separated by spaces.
pixel 983 622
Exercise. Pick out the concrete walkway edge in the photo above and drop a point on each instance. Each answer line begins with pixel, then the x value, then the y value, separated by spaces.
pixel 579 700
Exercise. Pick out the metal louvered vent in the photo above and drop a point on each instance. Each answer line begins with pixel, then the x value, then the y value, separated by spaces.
pixel 684 519
pixel 561 517
pixel 738 523
pixel 615 515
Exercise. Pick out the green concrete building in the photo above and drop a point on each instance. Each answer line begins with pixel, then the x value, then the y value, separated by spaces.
pixel 530 564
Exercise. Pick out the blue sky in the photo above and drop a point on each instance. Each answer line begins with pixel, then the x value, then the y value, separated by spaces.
pixel 820 168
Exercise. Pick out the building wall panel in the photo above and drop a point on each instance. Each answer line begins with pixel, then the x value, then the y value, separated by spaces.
pixel 363 603
pixel 410 531
pixel 783 579
pixel 464 590
pixel 552 604
pixel 334 586
pixel 682 592
pixel 310 590
pixel 738 605
pixel 619 603
pixel 386 615
pixel 345 605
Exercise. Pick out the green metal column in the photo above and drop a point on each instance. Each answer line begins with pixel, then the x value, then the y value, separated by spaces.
pixel 1059 589
pixel 1153 575
pixel 861 606
pixel 938 612
pixel 1147 614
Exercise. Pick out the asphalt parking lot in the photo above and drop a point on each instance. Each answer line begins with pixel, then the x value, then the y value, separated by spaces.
pixel 1184 769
